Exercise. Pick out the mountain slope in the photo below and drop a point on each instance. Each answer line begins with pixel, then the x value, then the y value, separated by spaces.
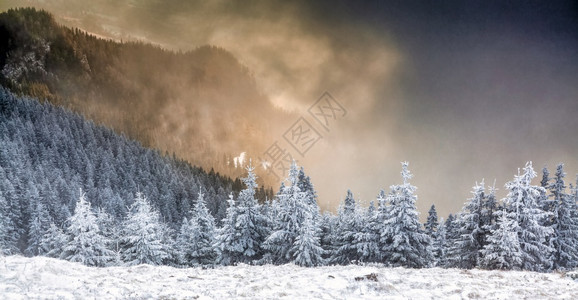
pixel 203 105
pixel 48 154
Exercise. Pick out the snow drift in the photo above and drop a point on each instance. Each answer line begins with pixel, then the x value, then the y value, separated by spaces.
pixel 47 278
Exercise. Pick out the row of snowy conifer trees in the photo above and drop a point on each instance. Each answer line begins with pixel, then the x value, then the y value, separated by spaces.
pixel 532 228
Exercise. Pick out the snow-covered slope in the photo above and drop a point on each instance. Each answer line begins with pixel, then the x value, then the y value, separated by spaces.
pixel 40 277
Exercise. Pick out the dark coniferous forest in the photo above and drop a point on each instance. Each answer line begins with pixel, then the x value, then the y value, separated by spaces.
pixel 78 191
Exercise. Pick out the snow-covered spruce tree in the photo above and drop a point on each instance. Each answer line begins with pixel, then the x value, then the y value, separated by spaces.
pixel 366 239
pixel 13 216
pixel 110 229
pixel 54 241
pixel 294 206
pixel 565 224
pixel 405 242
pixel 446 241
pixel 195 242
pixel 470 239
pixel 431 224
pixel 85 242
pixel 439 244
pixel 305 185
pixel 307 249
pixel 142 235
pixel 546 202
pixel 503 250
pixel 380 222
pixel 226 234
pixel 4 248
pixel 521 204
pixel 39 224
pixel 244 228
pixel 488 216
pixel 348 223
pixel 328 234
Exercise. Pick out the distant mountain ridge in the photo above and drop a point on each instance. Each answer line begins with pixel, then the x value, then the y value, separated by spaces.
pixel 202 105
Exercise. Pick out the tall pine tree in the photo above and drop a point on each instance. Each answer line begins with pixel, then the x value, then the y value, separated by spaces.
pixel 142 236
pixel 244 228
pixel 406 244
pixel 521 204
pixel 85 241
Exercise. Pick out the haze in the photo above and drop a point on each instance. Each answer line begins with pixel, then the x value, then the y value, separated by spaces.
pixel 462 90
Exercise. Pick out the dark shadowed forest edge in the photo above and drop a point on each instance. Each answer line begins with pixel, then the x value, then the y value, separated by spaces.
pixel 202 105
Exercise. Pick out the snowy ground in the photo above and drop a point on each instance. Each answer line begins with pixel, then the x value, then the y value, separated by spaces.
pixel 45 278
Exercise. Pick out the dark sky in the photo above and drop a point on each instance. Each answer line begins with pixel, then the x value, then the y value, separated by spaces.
pixel 463 90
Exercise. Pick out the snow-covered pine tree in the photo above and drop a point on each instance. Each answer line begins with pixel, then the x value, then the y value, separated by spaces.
pixel 380 222
pixel 439 244
pixel 244 229
pixel 328 234
pixel 4 248
pixel 13 216
pixel 39 224
pixel 431 224
pixel 294 206
pixel 503 250
pixel 545 203
pixel 142 235
pixel 195 242
pixel 53 241
pixel 85 241
pixel 521 204
pixel 565 224
pixel 549 203
pixel 405 242
pixel 446 242
pixel 366 239
pixel 348 222
pixel 111 231
pixel 305 185
pixel 307 249
pixel 470 239
pixel 225 235
pixel 488 217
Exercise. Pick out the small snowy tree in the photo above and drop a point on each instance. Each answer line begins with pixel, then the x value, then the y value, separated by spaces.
pixel 306 248
pixel 405 242
pixel 565 224
pixel 142 235
pixel 521 204
pixel 293 207
pixel 366 239
pixel 4 223
pixel 445 242
pixel 470 240
pixel 439 244
pixel 431 224
pixel 244 228
pixel 488 217
pixel 53 241
pixel 226 234
pixel 503 250
pixel 38 226
pixel 195 242
pixel 348 225
pixel 85 241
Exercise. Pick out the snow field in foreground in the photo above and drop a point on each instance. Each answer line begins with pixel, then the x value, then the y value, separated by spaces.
pixel 46 278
